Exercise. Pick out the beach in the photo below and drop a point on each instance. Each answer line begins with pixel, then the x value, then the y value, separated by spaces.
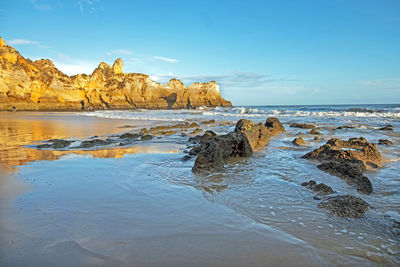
pixel 138 203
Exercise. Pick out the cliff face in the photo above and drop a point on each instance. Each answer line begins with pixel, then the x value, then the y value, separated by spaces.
pixel 39 85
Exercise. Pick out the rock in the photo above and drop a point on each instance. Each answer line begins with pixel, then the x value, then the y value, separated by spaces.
pixel 146 137
pixel 351 172
pixel 167 133
pixel 353 150
pixel 387 128
pixel 130 136
pixel 217 149
pixel 299 133
pixel 39 85
pixel 321 189
pixel 314 131
pixel 195 150
pixel 344 127
pixel 345 206
pixel 274 126
pixel 56 144
pixel 257 134
pixel 196 131
pixel 385 142
pixel 214 150
pixel 94 142
pixel 298 141
pixel 303 125
pixel 193 125
pixel 208 122
pixel 316 138
pixel 195 139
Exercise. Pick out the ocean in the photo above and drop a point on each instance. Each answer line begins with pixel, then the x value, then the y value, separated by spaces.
pixel 153 197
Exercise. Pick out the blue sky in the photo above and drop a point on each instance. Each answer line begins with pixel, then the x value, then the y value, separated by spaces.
pixel 260 52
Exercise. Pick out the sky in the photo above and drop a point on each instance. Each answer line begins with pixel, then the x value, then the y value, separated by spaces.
pixel 285 52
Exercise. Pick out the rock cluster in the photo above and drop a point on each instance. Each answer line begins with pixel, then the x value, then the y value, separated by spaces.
pixel 345 206
pixel 214 149
pixel 320 189
pixel 39 85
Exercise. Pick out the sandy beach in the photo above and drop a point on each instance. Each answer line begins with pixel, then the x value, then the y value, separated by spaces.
pixel 116 206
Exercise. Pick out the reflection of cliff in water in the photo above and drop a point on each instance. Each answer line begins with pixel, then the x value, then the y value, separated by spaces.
pixel 18 130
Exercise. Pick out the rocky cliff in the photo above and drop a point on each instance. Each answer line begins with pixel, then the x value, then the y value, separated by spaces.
pixel 39 85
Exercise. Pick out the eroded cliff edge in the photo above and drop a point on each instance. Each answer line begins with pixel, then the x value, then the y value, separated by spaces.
pixel 39 85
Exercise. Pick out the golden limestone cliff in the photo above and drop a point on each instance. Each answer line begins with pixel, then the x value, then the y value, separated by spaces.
pixel 39 85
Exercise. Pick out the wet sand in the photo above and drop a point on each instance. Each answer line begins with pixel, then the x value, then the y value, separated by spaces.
pixel 118 207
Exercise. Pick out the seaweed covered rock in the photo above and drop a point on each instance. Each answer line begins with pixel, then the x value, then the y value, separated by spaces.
pixel 353 150
pixel 345 206
pixel 351 172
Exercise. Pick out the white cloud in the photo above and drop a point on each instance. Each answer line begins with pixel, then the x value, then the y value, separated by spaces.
pixel 166 59
pixel 89 5
pixel 21 41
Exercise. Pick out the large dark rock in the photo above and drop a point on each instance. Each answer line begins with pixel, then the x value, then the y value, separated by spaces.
pixel 274 126
pixel 351 172
pixel 353 150
pixel 216 150
pixel 320 189
pixel 130 136
pixel 345 206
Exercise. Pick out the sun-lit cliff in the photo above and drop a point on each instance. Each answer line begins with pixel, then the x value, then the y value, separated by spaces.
pixel 39 85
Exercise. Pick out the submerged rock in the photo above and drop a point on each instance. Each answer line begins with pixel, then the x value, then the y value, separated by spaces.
pixel 387 128
pixel 321 189
pixel 94 142
pixel 314 131
pixel 385 142
pixel 195 131
pixel 208 122
pixel 353 150
pixel 56 144
pixel 298 141
pixel 316 138
pixel 303 125
pixel 146 137
pixel 345 206
pixel 130 136
pixel 344 127
pixel 351 172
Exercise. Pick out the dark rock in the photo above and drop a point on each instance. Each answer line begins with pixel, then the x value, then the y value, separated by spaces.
pixel 385 142
pixel 146 137
pixel 94 142
pixel 186 158
pixel 217 149
pixel 344 127
pixel 387 128
pixel 316 138
pixel 299 141
pixel 274 126
pixel 314 131
pixel 353 150
pixel 303 125
pixel 351 172
pixel 321 189
pixel 130 136
pixel 56 144
pixel 195 150
pixel 345 206
pixel 207 136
